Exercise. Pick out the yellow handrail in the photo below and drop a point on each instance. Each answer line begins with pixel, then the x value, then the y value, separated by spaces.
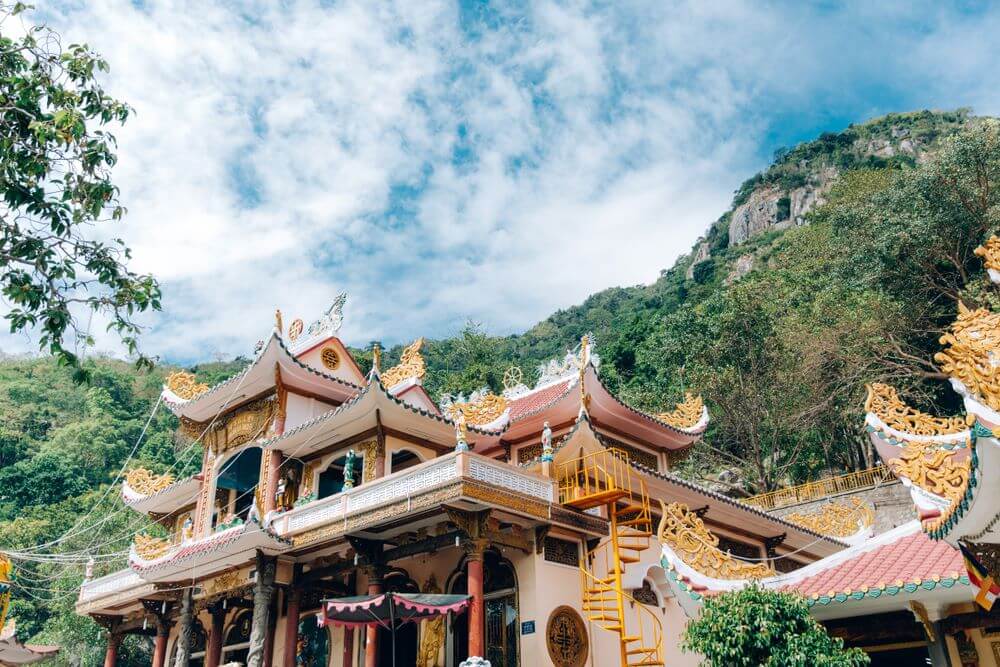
pixel 821 488
pixel 593 474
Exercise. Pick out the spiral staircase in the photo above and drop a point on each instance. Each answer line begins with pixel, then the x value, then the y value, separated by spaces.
pixel 605 479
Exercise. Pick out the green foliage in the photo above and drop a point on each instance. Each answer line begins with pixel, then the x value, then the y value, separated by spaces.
pixel 56 159
pixel 755 627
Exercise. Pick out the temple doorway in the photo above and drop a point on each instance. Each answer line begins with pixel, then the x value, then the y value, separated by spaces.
pixel 237 645
pixel 399 581
pixel 234 486
pixel 502 625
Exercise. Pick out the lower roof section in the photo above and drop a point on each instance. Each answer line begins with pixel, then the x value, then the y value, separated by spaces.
pixel 884 574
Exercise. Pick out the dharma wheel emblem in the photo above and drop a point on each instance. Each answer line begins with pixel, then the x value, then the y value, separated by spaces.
pixel 566 638
pixel 512 377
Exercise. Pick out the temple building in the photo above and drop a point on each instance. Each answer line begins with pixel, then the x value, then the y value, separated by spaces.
pixel 549 515
pixel 322 480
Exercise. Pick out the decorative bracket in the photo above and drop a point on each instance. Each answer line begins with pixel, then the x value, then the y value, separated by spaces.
pixel 771 544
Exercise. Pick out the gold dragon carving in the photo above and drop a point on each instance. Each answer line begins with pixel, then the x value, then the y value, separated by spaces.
pixel 411 365
pixel 149 547
pixel 835 519
pixel 970 355
pixel 145 483
pixel 184 385
pixel 990 252
pixel 684 532
pixel 482 410
pixel 884 402
pixel 933 469
pixel 432 638
pixel 687 413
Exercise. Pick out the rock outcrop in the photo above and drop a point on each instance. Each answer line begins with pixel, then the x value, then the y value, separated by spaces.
pixel 702 252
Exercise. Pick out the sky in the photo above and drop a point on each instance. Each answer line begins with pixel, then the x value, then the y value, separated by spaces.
pixel 445 162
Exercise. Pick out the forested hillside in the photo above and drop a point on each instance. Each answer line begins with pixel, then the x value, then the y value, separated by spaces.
pixel 838 265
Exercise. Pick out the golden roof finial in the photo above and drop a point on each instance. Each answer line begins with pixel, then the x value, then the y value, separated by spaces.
pixel 411 365
pixel 376 357
pixel 277 320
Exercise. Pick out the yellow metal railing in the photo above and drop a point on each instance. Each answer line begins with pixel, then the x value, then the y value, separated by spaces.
pixel 821 488
pixel 596 475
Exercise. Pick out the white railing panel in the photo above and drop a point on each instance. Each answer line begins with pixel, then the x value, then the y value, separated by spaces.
pixel 509 477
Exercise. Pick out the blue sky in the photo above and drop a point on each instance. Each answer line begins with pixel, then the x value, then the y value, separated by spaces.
pixel 487 161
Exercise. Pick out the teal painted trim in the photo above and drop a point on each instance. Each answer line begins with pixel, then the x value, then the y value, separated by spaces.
pixel 928 585
pixel 962 506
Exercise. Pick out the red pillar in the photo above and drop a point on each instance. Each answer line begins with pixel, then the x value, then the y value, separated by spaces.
pixel 213 652
pixel 371 644
pixel 274 461
pixel 160 648
pixel 348 647
pixel 476 610
pixel 111 655
pixel 292 626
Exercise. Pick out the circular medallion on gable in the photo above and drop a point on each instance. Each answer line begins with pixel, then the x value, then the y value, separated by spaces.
pixel 330 358
pixel 295 330
pixel 566 638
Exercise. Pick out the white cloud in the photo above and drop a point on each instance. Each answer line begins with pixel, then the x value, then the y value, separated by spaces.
pixel 605 140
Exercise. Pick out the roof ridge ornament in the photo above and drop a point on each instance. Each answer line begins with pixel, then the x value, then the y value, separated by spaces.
pixel 990 252
pixel 481 407
pixel 884 402
pixel 184 385
pixel 411 365
pixel 972 353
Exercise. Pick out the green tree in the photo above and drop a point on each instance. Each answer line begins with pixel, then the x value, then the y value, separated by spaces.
pixel 55 178
pixel 755 627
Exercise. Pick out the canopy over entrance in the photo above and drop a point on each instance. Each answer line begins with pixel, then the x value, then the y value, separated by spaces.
pixel 389 610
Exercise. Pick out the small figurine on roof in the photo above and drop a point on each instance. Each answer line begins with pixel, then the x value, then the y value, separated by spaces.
pixel 547 450
pixel 461 442
pixel 349 470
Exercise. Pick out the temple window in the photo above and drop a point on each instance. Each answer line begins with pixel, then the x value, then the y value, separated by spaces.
pixel 331 480
pixel 403 459
pixel 235 485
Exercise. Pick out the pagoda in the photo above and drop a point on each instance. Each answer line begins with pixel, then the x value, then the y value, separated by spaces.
pixel 320 480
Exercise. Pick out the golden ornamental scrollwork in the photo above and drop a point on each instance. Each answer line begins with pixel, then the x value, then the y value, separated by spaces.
pixel 250 422
pixel 411 365
pixel 687 414
pixel 148 547
pixel 683 531
pixel 225 582
pixel 933 469
pixel 6 568
pixel 990 252
pixel 370 452
pixel 482 407
pixel 432 632
pixel 972 346
pixel 835 519
pixel 184 385
pixel 883 401
pixel 145 483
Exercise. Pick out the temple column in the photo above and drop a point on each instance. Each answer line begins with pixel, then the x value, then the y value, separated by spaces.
pixel 474 565
pixel 184 630
pixel 375 583
pixel 213 650
pixel 263 592
pixel 111 654
pixel 273 472
pixel 292 625
pixel 160 647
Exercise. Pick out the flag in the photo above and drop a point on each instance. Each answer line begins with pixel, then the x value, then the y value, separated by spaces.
pixel 980 578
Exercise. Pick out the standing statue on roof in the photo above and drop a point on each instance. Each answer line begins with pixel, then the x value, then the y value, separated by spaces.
pixel 547 450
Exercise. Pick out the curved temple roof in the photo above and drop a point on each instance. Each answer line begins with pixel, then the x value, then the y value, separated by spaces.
pixel 885 573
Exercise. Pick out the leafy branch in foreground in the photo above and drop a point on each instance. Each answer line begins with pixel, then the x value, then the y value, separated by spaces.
pixel 55 180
